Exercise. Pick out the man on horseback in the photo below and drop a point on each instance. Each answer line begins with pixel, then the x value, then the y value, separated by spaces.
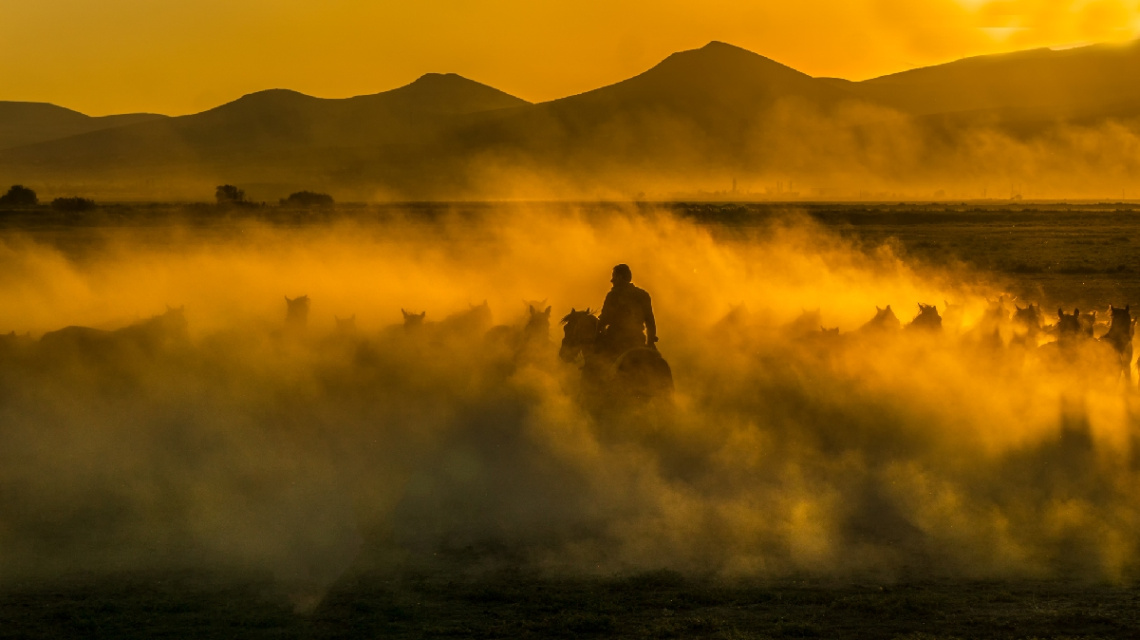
pixel 626 311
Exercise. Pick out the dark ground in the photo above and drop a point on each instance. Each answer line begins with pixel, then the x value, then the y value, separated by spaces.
pixel 1077 255
pixel 513 605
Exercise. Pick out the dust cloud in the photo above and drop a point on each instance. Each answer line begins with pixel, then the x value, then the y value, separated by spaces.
pixel 220 436
pixel 797 149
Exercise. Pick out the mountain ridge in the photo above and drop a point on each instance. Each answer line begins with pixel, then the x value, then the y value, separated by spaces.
pixel 695 115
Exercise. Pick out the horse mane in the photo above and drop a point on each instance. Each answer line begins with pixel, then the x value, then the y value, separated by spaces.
pixel 575 312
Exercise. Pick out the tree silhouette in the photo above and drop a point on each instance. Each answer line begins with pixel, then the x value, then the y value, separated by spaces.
pixel 229 194
pixel 19 196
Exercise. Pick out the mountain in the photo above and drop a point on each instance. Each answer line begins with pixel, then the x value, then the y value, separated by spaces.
pixel 262 136
pixel 23 123
pixel 707 94
pixel 699 117
pixel 1083 82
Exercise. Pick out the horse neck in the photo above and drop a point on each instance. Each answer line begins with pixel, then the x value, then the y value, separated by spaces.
pixel 1119 331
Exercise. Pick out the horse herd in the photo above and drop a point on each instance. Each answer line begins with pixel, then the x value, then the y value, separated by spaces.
pixel 640 372
pixel 1077 336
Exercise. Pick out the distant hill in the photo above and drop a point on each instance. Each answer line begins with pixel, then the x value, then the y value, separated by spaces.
pixel 700 117
pixel 277 137
pixel 1082 82
pixel 706 94
pixel 23 123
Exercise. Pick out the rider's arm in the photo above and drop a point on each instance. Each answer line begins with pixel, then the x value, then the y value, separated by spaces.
pixel 650 323
pixel 604 319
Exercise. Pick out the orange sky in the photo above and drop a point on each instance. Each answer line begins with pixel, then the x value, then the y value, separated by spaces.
pixel 183 56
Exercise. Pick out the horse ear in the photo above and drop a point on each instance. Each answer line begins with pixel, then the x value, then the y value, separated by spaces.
pixel 287 299
pixel 532 309
pixel 1076 312
pixel 1060 312
pixel 547 312
pixel 588 312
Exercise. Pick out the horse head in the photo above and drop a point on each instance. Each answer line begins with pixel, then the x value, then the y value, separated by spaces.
pixel 927 318
pixel 413 321
pixel 884 320
pixel 580 330
pixel 345 325
pixel 1028 318
pixel 537 323
pixel 1068 325
pixel 296 311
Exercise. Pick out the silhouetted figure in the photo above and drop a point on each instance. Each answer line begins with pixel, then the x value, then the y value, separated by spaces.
pixel 609 382
pixel 627 316
pixel 1027 325
pixel 1119 337
pixel 413 321
pixel 927 319
pixel 345 326
pixel 1069 327
pixel 296 313
pixel 1088 324
pixel 884 322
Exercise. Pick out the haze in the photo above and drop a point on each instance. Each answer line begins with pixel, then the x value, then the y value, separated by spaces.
pixel 178 57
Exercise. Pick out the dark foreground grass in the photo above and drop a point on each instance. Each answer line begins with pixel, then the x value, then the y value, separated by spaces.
pixel 514 605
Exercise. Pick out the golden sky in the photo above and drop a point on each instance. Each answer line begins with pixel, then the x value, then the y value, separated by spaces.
pixel 183 56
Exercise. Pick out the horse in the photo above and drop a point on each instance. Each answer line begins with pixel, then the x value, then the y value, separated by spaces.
pixel 345 326
pixel 1119 337
pixel 529 343
pixel 926 320
pixel 413 321
pixel 1068 327
pixel 296 313
pixel 1088 324
pixel 639 374
pixel 1027 325
pixel 884 322
pixel 150 337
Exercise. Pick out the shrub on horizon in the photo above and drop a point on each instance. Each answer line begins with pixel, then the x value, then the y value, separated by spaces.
pixel 308 199
pixel 72 204
pixel 19 196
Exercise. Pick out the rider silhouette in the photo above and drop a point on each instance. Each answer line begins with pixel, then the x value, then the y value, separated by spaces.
pixel 626 310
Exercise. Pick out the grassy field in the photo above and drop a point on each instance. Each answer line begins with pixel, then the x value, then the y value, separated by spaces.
pixel 1056 254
